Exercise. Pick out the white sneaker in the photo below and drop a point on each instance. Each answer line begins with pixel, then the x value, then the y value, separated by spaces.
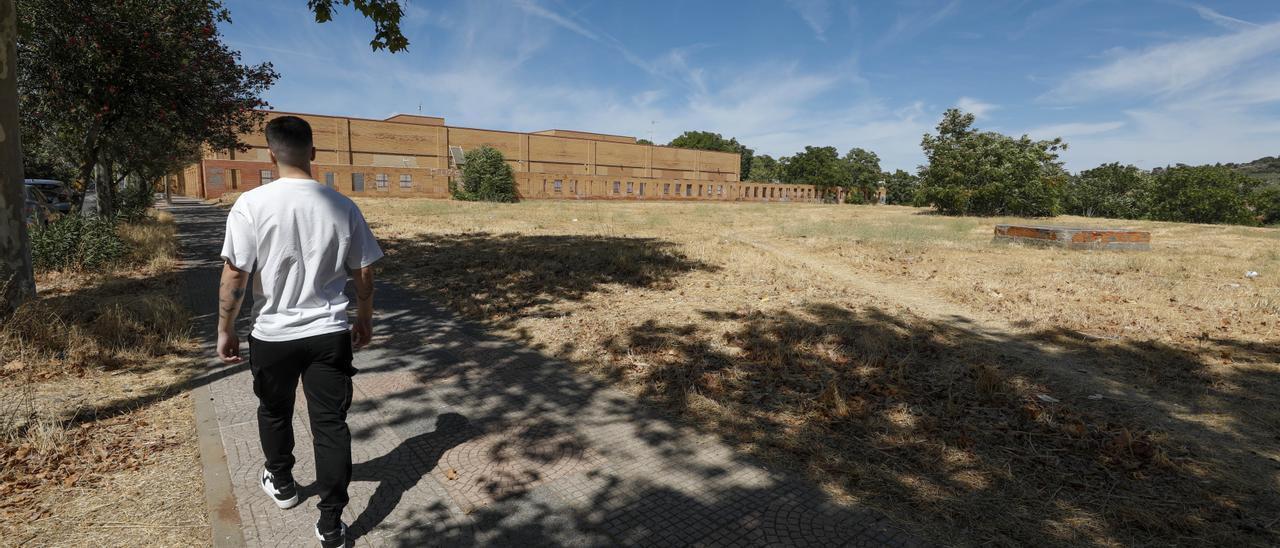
pixel 284 495
pixel 334 538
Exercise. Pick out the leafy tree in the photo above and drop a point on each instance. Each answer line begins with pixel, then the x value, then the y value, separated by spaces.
pixel 133 87
pixel 864 173
pixel 643 142
pixel 972 172
pixel 1109 190
pixel 765 168
pixel 1266 204
pixel 901 187
pixel 706 140
pixel 486 177
pixel 818 166
pixel 1202 194
pixel 385 15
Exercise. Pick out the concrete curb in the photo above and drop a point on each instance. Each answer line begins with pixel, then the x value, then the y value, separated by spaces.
pixel 224 518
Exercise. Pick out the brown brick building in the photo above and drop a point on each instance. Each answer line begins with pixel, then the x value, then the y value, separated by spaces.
pixel 407 155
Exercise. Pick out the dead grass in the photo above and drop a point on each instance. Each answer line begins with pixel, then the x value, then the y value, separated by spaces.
pixel 985 394
pixel 94 415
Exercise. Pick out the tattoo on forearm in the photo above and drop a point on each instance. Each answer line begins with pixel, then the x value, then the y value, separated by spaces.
pixel 230 294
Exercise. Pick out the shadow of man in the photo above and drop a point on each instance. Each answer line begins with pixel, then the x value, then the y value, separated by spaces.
pixel 403 467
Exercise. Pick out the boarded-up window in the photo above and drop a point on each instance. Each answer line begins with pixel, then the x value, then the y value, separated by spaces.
pixel 630 187
pixel 328 179
pixel 666 188
pixel 573 186
pixel 617 187
pixel 265 176
pixel 406 180
pixel 215 179
pixel 642 189
pixel 380 181
pixel 357 182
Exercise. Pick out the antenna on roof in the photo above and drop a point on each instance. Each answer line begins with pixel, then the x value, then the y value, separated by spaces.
pixel 419 107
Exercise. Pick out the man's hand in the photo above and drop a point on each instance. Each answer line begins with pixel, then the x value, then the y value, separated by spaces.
pixel 361 332
pixel 229 347
pixel 362 329
pixel 230 294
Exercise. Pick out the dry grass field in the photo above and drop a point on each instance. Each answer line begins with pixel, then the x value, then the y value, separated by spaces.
pixel 979 393
pixel 97 434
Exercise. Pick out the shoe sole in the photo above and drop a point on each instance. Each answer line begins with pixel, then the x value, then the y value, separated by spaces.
pixel 283 504
pixel 320 537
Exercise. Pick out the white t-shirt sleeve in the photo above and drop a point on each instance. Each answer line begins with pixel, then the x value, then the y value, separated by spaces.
pixel 240 247
pixel 364 249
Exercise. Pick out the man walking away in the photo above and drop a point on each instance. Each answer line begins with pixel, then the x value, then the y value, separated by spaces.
pixel 301 240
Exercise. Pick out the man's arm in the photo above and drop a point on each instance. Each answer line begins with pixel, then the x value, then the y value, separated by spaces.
pixel 230 296
pixel 362 330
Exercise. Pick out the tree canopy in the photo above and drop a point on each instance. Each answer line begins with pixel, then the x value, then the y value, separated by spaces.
pixel 385 15
pixel 765 168
pixel 132 86
pixel 706 140
pixel 486 177
pixel 818 166
pixel 901 188
pixel 1109 190
pixel 864 174
pixel 1202 194
pixel 971 172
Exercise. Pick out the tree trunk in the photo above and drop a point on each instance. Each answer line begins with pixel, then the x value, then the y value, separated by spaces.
pixel 107 189
pixel 17 282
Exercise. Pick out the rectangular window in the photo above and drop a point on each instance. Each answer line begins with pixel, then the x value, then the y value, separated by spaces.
pixel 235 178
pixel 642 189
pixel 328 179
pixel 688 190
pixel 666 188
pixel 380 181
pixel 720 190
pixel 630 187
pixel 617 187
pixel 573 186
pixel 406 180
pixel 265 176
pixel 558 184
pixel 357 182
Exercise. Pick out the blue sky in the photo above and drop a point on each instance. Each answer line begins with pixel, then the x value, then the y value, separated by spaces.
pixel 1148 82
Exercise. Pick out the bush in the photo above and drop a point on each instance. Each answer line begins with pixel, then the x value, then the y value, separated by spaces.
pixel 1202 194
pixel 76 242
pixel 1110 190
pixel 134 201
pixel 486 177
pixel 1266 204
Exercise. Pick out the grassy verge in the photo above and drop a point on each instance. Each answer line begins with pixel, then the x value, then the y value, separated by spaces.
pixel 95 428
pixel 982 394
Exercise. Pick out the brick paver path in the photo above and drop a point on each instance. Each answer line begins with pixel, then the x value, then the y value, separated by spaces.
pixel 462 438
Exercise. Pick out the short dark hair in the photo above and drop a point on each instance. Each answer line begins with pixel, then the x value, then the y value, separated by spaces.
pixel 289 138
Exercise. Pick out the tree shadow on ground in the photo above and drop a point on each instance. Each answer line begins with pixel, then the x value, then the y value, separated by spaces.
pixel 500 277
pixel 947 423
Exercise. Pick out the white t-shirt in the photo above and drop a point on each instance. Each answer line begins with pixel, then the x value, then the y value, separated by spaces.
pixel 304 239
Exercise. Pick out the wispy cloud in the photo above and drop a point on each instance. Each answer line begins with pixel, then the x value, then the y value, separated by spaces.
pixel 979 109
pixel 815 13
pixel 1073 129
pixel 910 24
pixel 1208 14
pixel 1171 68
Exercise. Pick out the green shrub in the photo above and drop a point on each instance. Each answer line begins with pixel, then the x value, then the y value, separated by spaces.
pixel 134 201
pixel 486 177
pixel 1109 190
pixel 1202 194
pixel 1266 204
pixel 76 242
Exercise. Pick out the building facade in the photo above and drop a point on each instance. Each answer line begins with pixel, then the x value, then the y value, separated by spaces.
pixel 414 156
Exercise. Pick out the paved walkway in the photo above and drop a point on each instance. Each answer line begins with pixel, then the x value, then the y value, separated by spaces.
pixel 462 438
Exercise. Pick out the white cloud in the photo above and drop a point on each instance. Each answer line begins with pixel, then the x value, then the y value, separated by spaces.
pixel 1208 14
pixel 1171 68
pixel 978 108
pixel 909 25
pixel 816 14
pixel 1073 129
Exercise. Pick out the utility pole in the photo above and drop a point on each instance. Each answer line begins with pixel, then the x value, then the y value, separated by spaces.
pixel 17 282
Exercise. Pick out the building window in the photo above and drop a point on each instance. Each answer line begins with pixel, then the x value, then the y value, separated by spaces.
pixel 328 179
pixel 557 184
pixel 720 190
pixel 617 187
pixel 688 190
pixel 357 182
pixel 380 181
pixel 235 178
pixel 642 189
pixel 573 186
pixel 265 176
pixel 666 188
pixel 406 180
pixel 630 187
